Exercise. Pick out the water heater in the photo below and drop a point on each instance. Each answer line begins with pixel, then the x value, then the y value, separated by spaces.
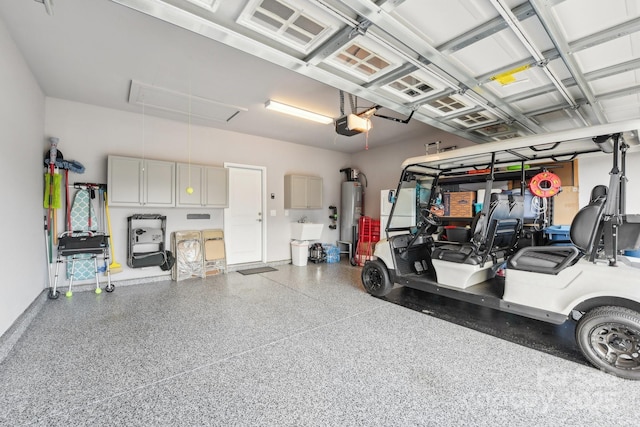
pixel 350 210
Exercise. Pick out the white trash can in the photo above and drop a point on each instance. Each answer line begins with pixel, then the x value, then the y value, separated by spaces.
pixel 299 252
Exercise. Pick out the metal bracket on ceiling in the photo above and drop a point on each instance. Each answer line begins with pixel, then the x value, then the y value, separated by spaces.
pixel 543 63
pixel 360 29
pixel 395 119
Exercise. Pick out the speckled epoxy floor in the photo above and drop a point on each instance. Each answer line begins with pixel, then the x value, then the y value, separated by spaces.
pixel 301 346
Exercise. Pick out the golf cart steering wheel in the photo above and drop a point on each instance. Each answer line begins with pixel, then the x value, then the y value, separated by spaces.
pixel 430 218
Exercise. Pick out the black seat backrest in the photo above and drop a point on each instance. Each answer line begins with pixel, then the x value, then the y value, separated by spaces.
pixel 598 192
pixel 498 209
pixel 506 225
pixel 493 238
pixel 503 225
pixel 585 228
pixel 504 232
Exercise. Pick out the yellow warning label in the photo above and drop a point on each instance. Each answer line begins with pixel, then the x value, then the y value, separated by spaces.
pixel 507 77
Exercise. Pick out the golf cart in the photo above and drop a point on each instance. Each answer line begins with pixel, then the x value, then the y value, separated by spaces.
pixel 587 279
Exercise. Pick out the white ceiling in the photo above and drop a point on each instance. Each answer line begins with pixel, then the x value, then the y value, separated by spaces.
pixel 561 64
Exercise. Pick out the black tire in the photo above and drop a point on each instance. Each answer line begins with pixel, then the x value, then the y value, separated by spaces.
pixel 53 295
pixel 109 288
pixel 375 278
pixel 609 337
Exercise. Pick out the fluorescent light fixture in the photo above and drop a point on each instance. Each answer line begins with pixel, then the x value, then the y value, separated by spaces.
pixel 297 112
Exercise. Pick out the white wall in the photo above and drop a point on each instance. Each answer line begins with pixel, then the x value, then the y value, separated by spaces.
pixel 382 165
pixel 89 134
pixel 22 259
pixel 595 170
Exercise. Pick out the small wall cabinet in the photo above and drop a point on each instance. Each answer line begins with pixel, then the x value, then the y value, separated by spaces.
pixel 210 186
pixel 140 182
pixel 302 192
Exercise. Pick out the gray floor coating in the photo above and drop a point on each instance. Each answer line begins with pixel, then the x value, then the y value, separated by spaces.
pixel 301 346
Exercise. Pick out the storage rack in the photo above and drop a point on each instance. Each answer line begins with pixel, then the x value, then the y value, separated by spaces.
pixel 146 245
pixel 368 235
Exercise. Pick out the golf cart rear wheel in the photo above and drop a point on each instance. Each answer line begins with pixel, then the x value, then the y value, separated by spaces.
pixel 375 278
pixel 609 338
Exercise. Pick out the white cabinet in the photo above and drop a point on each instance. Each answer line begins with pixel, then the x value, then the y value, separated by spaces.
pixel 140 182
pixel 210 186
pixel 302 192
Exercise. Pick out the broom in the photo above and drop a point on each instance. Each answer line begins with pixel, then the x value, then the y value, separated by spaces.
pixel 114 267
pixel 52 196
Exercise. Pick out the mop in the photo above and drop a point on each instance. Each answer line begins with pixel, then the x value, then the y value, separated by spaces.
pixel 114 267
pixel 51 201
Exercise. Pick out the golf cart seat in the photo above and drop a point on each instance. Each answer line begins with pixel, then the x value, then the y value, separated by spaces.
pixel 494 239
pixel 585 233
pixel 629 233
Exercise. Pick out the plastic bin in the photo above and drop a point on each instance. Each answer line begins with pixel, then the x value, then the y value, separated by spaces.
pixel 299 252
pixel 633 254
pixel 558 233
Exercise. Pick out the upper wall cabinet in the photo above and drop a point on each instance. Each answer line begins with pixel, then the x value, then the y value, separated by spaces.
pixel 302 192
pixel 140 182
pixel 210 186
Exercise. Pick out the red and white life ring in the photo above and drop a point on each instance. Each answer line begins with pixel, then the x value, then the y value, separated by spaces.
pixel 545 184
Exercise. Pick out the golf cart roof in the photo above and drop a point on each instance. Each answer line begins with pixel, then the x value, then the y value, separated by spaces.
pixel 556 146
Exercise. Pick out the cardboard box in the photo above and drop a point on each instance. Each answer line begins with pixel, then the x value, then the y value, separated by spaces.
pixel 565 205
pixel 446 202
pixel 459 204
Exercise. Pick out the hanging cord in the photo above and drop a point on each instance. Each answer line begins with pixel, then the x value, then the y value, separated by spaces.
pixel 341 103
pixel 189 138
pixel 539 208
pixel 143 134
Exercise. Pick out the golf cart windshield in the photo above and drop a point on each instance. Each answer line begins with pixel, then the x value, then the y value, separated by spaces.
pixel 412 195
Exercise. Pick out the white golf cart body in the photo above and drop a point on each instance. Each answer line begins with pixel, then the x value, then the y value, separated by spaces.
pixel 546 297
pixel 582 278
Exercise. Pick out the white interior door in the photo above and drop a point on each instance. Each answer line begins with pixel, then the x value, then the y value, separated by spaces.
pixel 244 219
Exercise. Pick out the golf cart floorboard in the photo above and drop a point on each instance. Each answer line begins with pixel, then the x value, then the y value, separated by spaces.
pixel 492 288
pixel 487 294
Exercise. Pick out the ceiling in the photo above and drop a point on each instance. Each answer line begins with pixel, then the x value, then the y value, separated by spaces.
pixel 483 70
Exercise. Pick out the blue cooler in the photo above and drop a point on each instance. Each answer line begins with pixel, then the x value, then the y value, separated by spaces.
pixel 634 254
pixel 558 234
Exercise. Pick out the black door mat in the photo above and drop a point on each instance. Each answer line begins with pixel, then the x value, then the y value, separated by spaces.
pixel 256 270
